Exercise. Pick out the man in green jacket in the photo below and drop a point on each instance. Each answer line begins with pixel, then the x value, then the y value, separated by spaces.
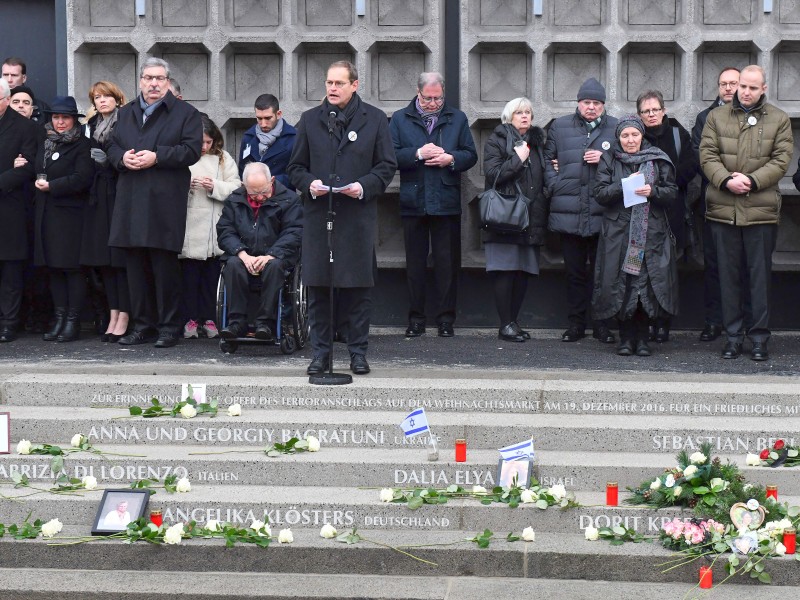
pixel 744 152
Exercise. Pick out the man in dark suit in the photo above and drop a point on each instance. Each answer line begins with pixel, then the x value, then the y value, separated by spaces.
pixel 156 139
pixel 269 141
pixel 350 139
pixel 18 136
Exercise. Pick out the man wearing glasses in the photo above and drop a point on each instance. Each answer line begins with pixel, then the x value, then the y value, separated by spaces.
pixel 350 139
pixel 259 231
pixel 433 146
pixel 156 139
pixel 269 141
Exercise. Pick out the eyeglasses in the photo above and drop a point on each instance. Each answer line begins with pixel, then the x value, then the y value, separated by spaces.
pixel 158 78
pixel 728 84
pixel 651 111
pixel 261 194
pixel 434 99
pixel 337 84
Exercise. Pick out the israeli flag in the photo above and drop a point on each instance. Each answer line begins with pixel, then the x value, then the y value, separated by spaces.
pixel 521 451
pixel 415 423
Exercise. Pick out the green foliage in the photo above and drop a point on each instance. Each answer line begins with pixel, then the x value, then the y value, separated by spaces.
pixel 292 446
pixel 482 539
pixel 156 409
pixel 543 498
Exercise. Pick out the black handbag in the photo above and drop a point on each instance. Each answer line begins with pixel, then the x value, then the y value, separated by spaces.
pixel 504 213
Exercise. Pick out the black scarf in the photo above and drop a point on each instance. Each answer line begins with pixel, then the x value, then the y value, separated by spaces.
pixel 54 139
pixel 343 115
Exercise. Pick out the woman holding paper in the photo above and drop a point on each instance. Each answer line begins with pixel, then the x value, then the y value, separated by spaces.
pixel 636 277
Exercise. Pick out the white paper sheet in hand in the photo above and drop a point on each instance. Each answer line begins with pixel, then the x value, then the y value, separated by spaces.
pixel 629 185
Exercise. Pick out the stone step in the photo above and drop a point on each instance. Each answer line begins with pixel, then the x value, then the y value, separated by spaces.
pixel 442 391
pixel 79 584
pixel 354 467
pixel 634 433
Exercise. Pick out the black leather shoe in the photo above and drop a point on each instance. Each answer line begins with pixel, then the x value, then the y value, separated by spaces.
pixel 731 350
pixel 340 337
pixel 524 333
pixel 72 327
pixel 134 338
pixel 166 340
pixel 642 349
pixel 415 330
pixel 113 337
pixel 759 351
pixel 662 335
pixel 710 333
pixel 319 364
pixel 603 333
pixel 446 330
pixel 7 334
pixel 625 348
pixel 232 331
pixel 651 333
pixel 511 333
pixel 359 364
pixel 264 333
pixel 60 316
pixel 573 334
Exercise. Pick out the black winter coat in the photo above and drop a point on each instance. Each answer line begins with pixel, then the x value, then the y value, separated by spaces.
pixel 150 207
pixel 573 208
pixel 59 212
pixel 431 190
pixel 18 135
pixel 530 177
pixel 609 279
pixel 276 231
pixel 368 159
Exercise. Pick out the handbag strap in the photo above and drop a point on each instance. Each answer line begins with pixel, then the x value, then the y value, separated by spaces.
pixel 516 183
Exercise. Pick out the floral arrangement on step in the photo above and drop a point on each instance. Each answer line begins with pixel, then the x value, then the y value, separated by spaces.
pixel 780 455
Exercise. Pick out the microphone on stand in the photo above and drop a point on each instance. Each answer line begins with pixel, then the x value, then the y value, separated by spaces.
pixel 331 121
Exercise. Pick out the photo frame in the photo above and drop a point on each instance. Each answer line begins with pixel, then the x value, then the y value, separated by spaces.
pixel 744 518
pixel 5 433
pixel 508 469
pixel 118 508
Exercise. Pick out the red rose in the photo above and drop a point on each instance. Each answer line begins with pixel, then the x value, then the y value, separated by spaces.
pixel 779 445
pixel 764 454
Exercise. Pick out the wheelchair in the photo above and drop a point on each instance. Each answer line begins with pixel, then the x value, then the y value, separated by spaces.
pixel 292 321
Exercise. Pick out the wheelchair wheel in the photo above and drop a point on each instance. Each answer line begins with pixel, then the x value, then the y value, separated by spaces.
pixel 228 347
pixel 288 344
pixel 300 322
pixel 222 304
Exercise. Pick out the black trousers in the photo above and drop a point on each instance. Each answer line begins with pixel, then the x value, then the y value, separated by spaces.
pixel 353 309
pixel 441 235
pixel 154 279
pixel 115 282
pixel 11 284
pixel 752 245
pixel 711 291
pixel 237 282
pixel 199 294
pixel 579 256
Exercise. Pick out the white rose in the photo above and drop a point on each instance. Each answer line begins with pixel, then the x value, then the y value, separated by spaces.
pixel 77 439
pixel 780 549
pixel 752 460
pixel 698 458
pixel 174 534
pixel 235 410
pixel 328 531
pixel 689 471
pixel 670 480
pixel 387 495
pixel 591 533
pixel 24 447
pixel 528 534
pixel 183 485
pixel 188 411
pixel 655 484
pixel 285 536
pixel 478 489
pixel 558 491
pixel 719 481
pixel 259 525
pixel 313 443
pixel 212 525
pixel 89 482
pixel 527 496
pixel 52 527
pixel 677 491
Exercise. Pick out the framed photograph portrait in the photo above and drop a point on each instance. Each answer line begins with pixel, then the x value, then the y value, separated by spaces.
pixel 508 470
pixel 5 433
pixel 118 508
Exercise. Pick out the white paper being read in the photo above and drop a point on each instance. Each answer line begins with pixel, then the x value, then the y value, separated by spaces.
pixel 629 186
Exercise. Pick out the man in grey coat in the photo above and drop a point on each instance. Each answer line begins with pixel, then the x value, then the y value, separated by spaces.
pixel 574 146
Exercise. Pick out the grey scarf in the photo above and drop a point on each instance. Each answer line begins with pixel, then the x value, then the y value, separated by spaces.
pixel 105 125
pixel 265 140
pixel 148 109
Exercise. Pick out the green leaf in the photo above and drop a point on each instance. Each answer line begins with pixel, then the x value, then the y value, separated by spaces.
pixel 415 502
pixel 793 512
pixel 619 530
pixel 349 538
pixel 700 490
pixel 764 577
pixel 709 499
pixel 135 410
pixel 452 489
pixel 541 504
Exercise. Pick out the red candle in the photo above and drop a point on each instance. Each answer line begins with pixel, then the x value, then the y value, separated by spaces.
pixel 706 578
pixel 461 450
pixel 156 518
pixel 612 493
pixel 772 492
pixel 790 540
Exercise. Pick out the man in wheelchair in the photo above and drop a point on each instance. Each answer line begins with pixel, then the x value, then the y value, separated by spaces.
pixel 260 231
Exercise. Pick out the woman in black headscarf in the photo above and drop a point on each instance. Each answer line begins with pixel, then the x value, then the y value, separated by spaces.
pixel 636 277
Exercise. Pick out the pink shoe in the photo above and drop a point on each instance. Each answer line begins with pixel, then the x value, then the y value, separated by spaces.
pixel 211 329
pixel 190 329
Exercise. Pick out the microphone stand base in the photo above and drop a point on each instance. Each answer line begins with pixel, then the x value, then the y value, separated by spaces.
pixel 330 379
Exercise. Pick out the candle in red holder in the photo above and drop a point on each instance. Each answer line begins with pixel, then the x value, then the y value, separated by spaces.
pixel 156 518
pixel 612 493
pixel 772 492
pixel 706 578
pixel 790 540
pixel 461 450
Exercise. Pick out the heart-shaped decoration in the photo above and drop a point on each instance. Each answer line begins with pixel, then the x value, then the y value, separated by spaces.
pixel 744 518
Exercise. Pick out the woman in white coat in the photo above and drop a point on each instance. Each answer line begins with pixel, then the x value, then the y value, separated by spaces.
pixel 214 177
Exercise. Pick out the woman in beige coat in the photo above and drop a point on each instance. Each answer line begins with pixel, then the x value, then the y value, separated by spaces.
pixel 214 177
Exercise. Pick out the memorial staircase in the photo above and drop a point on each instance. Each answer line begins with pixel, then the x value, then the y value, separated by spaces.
pixel 589 427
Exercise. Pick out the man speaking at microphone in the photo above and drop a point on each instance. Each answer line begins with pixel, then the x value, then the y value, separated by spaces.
pixel 350 139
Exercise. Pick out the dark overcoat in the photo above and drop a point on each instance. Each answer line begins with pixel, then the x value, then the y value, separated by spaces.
pixel 59 212
pixel 609 279
pixel 367 159
pixel 150 207
pixel 276 157
pixel 18 135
